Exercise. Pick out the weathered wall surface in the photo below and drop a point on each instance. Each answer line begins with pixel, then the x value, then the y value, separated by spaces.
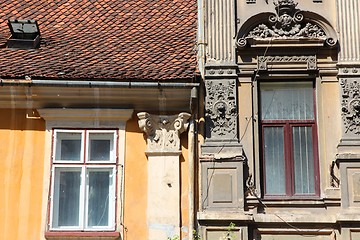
pixel 135 200
pixel 21 175
pixel 22 178
pixel 136 184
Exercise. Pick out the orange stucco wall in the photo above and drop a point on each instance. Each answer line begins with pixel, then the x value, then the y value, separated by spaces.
pixel 21 175
pixel 135 201
pixel 22 186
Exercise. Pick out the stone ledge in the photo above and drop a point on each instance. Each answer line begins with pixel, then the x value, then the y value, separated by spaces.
pixel 224 215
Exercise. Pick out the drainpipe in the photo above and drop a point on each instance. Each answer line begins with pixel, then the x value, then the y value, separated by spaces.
pixel 201 38
pixel 192 157
pixel 191 144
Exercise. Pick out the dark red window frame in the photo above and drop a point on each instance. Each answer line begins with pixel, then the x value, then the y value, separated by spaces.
pixel 287 126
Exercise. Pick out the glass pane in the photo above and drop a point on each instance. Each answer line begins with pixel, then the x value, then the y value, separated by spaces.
pixel 101 146
pixel 67 197
pixel 303 160
pixel 274 160
pixel 99 184
pixel 287 101
pixel 68 146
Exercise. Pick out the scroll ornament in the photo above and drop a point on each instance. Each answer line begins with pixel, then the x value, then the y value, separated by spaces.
pixel 287 23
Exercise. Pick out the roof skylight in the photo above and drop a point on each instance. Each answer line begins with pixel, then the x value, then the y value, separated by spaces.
pixel 25 34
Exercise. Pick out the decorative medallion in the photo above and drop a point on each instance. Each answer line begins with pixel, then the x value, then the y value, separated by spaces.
pixel 221 111
pixel 350 105
pixel 287 23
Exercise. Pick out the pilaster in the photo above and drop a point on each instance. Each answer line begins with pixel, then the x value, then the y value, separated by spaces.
pixel 220 31
pixel 349 34
pixel 221 112
pixel 349 74
pixel 163 151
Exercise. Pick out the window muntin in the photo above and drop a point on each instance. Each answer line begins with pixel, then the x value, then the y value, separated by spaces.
pixel 288 139
pixel 83 191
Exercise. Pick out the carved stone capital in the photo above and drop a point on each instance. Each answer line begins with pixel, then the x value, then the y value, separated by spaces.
pixel 221 71
pixel 163 132
pixel 349 71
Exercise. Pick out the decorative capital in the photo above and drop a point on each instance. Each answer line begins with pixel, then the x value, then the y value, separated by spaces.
pixel 163 132
pixel 350 106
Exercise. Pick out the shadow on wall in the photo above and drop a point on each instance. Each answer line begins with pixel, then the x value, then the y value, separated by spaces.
pixel 21 119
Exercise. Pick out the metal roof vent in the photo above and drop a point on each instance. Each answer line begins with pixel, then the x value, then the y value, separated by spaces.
pixel 25 34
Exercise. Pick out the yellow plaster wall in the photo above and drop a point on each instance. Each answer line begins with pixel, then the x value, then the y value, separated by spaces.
pixel 21 175
pixel 135 201
pixel 21 178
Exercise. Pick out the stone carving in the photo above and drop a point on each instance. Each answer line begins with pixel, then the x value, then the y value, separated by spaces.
pixel 221 111
pixel 163 131
pixel 350 105
pixel 287 23
pixel 309 60
pixel 354 71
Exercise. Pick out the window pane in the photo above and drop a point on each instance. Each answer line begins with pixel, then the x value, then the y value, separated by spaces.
pixel 287 101
pixel 68 146
pixel 99 196
pixel 274 160
pixel 66 197
pixel 101 146
pixel 303 160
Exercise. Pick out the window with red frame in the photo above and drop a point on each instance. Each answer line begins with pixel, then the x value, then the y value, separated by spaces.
pixel 289 139
pixel 83 191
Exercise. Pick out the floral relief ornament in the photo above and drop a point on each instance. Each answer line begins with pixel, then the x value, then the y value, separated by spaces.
pixel 350 105
pixel 287 22
pixel 221 109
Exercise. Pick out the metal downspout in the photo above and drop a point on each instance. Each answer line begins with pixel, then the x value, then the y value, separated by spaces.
pixel 191 144
pixel 201 38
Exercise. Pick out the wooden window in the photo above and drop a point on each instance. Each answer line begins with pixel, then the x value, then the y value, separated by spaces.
pixel 289 139
pixel 83 180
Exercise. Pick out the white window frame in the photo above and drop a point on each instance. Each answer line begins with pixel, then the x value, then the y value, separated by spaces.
pixel 113 144
pixel 85 166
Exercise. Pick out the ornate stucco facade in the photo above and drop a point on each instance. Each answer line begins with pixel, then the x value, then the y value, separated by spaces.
pixel 250 44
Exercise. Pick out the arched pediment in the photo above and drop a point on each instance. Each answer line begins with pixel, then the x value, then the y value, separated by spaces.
pixel 287 26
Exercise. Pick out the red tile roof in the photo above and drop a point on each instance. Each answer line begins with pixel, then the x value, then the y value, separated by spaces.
pixel 103 39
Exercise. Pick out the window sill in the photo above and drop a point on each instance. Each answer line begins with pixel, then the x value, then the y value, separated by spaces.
pixel 79 235
pixel 283 202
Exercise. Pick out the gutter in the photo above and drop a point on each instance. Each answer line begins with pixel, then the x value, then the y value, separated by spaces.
pixel 93 84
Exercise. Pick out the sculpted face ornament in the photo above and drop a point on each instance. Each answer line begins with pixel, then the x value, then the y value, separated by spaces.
pixel 221 109
pixel 350 105
pixel 287 23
